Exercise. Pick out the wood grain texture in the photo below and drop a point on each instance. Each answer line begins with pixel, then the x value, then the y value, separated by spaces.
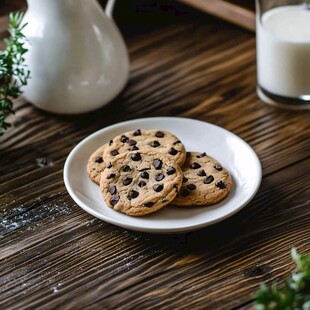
pixel 53 255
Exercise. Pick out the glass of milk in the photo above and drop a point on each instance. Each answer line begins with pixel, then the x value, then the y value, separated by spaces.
pixel 283 52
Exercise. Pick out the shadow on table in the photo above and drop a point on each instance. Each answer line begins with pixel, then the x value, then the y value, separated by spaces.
pixel 257 225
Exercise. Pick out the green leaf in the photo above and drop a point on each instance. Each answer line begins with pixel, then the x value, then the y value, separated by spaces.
pixel 13 72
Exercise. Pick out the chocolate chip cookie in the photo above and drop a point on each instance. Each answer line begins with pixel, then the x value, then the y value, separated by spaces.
pixel 158 141
pixel 96 164
pixel 140 182
pixel 205 181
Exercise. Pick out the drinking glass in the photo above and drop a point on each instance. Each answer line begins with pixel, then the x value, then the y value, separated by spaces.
pixel 283 52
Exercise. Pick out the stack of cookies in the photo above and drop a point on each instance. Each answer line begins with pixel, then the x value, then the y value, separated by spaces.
pixel 141 171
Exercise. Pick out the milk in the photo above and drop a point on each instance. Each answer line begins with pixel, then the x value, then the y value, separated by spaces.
pixel 283 51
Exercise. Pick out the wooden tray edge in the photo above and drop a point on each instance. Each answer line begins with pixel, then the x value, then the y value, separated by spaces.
pixel 228 11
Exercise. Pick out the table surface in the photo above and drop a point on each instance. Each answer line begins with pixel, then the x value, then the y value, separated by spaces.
pixel 183 63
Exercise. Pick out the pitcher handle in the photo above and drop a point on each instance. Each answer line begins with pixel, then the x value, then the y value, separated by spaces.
pixel 109 8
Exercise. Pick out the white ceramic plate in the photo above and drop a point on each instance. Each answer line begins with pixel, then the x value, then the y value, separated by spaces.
pixel 234 154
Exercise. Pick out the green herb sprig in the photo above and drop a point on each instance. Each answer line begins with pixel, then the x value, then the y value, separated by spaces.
pixel 13 72
pixel 295 295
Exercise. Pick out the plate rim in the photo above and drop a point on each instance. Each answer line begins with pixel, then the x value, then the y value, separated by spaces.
pixel 179 229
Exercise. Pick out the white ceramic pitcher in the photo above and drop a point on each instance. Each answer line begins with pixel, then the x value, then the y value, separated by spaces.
pixel 77 57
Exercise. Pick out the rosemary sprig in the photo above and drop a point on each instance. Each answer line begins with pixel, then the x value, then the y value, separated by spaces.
pixel 295 295
pixel 13 72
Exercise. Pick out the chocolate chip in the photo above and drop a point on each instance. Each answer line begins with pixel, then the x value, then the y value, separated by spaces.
pixel 170 170
pixel 158 187
pixel 157 163
pixel 202 155
pixel 176 142
pixel 159 134
pixel 127 181
pixel 191 187
pixel 109 165
pixel 137 132
pixel 134 194
pixel 185 179
pixel 134 148
pixel 141 183
pixel 218 167
pixel 145 175
pixel 201 173
pixel 112 190
pixel 111 176
pixel 124 138
pixel 110 142
pixel 195 165
pixel 185 192
pixel 149 204
pixel 159 177
pixel 155 144
pixel 208 179
pixel 173 151
pixel 126 168
pixel 99 160
pixel 220 184
pixel 132 142
pixel 135 156
pixel 114 152
pixel 114 200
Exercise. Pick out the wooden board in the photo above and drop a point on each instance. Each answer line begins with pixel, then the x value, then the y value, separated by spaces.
pixel 236 12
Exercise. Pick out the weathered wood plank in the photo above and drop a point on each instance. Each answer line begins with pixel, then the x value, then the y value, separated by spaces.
pixel 208 81
pixel 74 253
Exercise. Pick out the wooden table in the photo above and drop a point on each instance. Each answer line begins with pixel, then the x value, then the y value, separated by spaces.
pixel 183 63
